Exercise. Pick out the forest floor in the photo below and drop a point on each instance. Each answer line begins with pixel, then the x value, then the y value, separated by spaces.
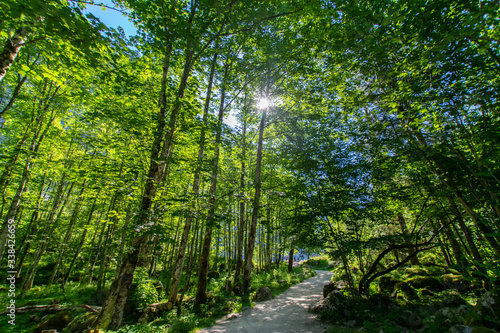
pixel 287 312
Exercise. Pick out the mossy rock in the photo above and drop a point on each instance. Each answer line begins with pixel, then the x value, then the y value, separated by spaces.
pixel 386 284
pixel 429 283
pixel 435 270
pixel 404 289
pixel 415 271
pixel 328 288
pixel 339 304
pixel 81 323
pixel 456 282
pixel 381 303
pixel 57 321
pixel 486 312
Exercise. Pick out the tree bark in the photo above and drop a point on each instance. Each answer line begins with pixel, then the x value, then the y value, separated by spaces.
pixel 256 202
pixel 201 296
pixel 196 187
pixel 241 226
pixel 11 50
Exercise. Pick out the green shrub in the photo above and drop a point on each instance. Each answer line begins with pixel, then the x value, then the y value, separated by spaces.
pixel 143 291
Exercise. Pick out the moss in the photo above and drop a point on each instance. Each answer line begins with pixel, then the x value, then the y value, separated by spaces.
pixel 404 289
pixel 415 271
pixel 81 323
pixel 386 284
pixel 428 283
pixel 57 321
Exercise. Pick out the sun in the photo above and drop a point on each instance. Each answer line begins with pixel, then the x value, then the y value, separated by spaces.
pixel 263 103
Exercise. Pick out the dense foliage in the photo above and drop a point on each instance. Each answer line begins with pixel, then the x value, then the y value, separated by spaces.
pixel 365 129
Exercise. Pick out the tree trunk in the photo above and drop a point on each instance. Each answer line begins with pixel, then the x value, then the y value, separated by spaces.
pixel 196 187
pixel 11 49
pixel 256 202
pixel 402 223
pixel 201 296
pixel 241 226
pixel 67 237
pixel 290 257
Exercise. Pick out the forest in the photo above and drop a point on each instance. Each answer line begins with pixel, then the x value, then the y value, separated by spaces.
pixel 159 179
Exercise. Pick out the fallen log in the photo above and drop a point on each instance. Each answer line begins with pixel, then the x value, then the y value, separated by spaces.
pixel 52 308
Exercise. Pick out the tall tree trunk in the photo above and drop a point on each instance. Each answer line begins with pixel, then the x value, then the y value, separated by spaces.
pixel 38 138
pixel 256 201
pixel 241 225
pixel 69 231
pixel 52 224
pixel 196 187
pixel 111 315
pixel 290 256
pixel 201 296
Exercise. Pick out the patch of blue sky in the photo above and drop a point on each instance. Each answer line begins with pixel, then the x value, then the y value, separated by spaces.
pixel 111 18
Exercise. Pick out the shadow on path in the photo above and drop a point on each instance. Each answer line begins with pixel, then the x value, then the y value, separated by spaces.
pixel 287 313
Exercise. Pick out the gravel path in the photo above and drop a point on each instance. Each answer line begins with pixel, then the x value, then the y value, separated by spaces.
pixel 287 313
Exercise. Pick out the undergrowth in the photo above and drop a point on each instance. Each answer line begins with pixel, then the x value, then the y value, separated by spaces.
pixel 219 303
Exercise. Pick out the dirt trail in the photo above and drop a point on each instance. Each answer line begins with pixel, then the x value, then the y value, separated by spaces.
pixel 287 313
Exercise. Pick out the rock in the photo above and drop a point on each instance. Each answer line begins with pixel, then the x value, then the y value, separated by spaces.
pixel 49 331
pixel 81 323
pixel 411 320
pixel 262 294
pixel 341 284
pixel 445 312
pixel 318 307
pixel 386 284
pixel 486 312
pixel 350 323
pixel 337 302
pixel 460 329
pixel 328 288
pixel 469 329
pixel 57 321
pixel 381 303
pixel 428 283
pixel 456 282
pixel 404 289
pixel 34 318
pixel 331 265
pixel 415 271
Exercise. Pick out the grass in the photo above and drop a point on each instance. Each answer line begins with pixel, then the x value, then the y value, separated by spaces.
pixel 321 263
pixel 219 304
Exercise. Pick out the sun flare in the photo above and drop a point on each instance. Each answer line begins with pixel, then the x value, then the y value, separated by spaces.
pixel 263 103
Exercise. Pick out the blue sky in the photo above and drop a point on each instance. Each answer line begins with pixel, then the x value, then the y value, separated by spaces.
pixel 111 18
